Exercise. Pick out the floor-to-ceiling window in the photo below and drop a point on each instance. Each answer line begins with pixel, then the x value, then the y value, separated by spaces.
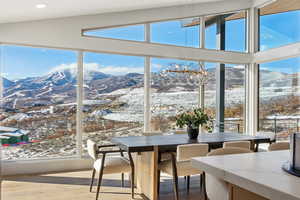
pixel 38 107
pixel 279 79
pixel 226 32
pixel 39 101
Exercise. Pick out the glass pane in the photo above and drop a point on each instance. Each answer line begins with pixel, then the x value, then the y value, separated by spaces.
pixel 279 28
pixel 114 96
pixel 234 98
pixel 211 37
pixel 235 32
pixel 183 32
pixel 38 109
pixel 134 32
pixel 210 89
pixel 171 92
pixel 279 97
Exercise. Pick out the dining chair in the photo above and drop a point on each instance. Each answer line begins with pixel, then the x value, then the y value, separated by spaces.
pixel 228 150
pixel 271 135
pixel 180 164
pixel 279 146
pixel 216 189
pixel 166 155
pixel 238 144
pixel 109 164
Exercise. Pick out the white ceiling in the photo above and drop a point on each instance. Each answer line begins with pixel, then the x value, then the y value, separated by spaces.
pixel 25 10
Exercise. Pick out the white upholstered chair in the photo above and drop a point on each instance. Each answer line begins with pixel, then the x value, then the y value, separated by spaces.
pixel 279 146
pixel 270 135
pixel 181 164
pixel 216 188
pixel 108 164
pixel 238 144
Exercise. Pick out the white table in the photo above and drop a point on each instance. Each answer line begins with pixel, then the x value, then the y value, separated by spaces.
pixel 259 173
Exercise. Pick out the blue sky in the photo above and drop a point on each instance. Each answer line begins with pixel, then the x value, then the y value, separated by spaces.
pixel 20 62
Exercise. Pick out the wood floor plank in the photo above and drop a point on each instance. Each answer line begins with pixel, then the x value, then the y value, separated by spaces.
pixel 75 185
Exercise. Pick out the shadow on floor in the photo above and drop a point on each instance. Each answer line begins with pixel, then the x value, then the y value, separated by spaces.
pixel 64 180
pixel 166 189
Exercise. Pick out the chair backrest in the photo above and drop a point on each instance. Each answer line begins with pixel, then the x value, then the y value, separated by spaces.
pixel 279 146
pixel 187 151
pixel 92 148
pixel 239 144
pixel 228 150
pixel 271 135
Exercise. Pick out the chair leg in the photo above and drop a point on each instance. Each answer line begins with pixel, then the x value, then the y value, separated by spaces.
pixel 158 182
pixel 158 173
pixel 175 186
pixel 201 183
pixel 132 174
pixel 132 184
pixel 202 192
pixel 188 183
pixel 256 147
pixel 204 186
pixel 100 176
pixel 92 180
pixel 175 177
pixel 122 180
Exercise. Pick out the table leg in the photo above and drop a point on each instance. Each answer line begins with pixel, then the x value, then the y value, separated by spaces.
pixel 147 168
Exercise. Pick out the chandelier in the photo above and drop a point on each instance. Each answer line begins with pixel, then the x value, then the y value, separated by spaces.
pixel 200 73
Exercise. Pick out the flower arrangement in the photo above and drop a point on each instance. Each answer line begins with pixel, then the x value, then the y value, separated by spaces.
pixel 193 119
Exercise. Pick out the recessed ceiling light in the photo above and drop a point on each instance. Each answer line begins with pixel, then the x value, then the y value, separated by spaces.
pixel 41 5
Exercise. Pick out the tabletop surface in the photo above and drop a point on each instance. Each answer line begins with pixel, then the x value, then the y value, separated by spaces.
pixel 148 142
pixel 260 173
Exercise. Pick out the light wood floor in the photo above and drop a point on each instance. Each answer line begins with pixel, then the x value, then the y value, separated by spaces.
pixel 75 186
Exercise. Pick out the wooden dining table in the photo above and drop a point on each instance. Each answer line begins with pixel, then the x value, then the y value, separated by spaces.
pixel 147 149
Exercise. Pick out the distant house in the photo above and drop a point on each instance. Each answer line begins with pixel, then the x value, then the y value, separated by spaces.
pixel 9 135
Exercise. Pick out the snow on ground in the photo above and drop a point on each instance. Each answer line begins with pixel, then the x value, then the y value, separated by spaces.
pixel 18 94
pixel 18 117
pixel 125 117
pixel 43 93
pixel 15 103
pixel 98 113
pixel 271 92
pixel 168 104
pixel 282 117
pixel 89 102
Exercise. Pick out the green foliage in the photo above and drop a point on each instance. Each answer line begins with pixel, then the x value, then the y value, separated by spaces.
pixel 193 119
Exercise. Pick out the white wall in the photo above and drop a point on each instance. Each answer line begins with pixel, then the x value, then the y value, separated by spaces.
pixel 40 166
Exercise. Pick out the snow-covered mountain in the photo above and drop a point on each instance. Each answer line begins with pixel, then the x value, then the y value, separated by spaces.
pixel 7 83
pixel 56 86
pixel 59 86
